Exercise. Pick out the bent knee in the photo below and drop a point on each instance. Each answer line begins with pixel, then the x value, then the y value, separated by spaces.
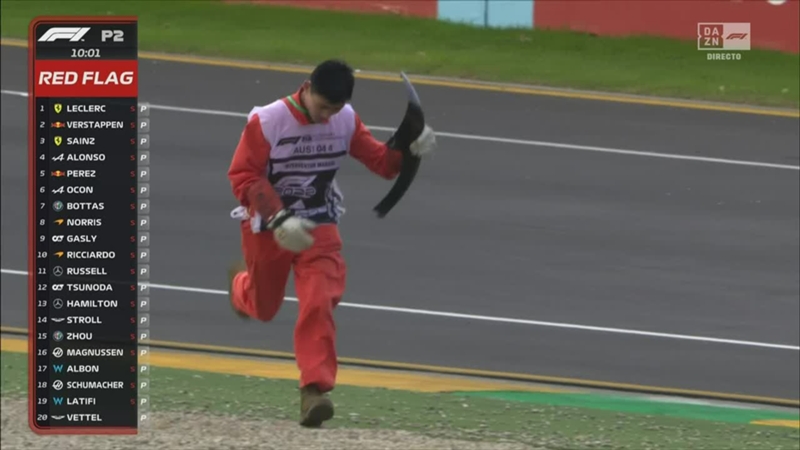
pixel 265 314
pixel 267 307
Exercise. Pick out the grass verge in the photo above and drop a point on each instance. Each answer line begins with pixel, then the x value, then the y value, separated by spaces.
pixel 638 65
pixel 444 416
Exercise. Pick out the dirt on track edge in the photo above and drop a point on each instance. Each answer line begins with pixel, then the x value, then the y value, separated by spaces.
pixel 197 430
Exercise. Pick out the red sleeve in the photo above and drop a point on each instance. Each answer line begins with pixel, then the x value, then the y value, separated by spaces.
pixel 248 171
pixel 375 155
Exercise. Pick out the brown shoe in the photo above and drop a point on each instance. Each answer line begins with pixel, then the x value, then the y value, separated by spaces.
pixel 315 407
pixel 233 270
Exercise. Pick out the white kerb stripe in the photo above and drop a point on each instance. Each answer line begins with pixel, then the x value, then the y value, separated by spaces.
pixel 523 142
pixel 452 315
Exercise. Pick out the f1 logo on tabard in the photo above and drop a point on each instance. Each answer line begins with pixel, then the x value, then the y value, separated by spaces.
pixel 73 34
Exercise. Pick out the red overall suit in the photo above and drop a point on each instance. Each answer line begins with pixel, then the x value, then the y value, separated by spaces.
pixel 320 271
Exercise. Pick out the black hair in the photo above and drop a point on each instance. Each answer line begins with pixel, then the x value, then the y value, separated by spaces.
pixel 333 79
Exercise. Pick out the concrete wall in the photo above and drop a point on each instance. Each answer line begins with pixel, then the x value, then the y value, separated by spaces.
pixel 775 24
pixel 492 13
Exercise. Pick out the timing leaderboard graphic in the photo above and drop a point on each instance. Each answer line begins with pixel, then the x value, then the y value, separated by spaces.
pixel 88 221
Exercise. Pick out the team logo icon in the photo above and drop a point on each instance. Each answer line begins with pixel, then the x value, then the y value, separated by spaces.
pixel 58 336
pixel 58 271
pixel 57 140
pixel 58 205
pixel 57 108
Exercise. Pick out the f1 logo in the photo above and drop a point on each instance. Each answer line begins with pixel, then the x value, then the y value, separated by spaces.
pixel 74 34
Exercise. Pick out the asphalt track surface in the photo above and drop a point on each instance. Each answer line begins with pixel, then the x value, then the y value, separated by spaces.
pixel 491 228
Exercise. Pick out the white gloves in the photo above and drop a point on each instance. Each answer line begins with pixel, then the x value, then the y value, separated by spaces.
pixel 290 232
pixel 425 143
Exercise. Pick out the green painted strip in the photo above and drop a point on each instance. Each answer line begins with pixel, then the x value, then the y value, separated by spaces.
pixel 475 419
pixel 639 406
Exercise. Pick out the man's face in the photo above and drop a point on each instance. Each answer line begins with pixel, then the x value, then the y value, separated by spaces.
pixel 318 107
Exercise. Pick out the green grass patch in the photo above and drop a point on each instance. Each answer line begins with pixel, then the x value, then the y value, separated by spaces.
pixel 442 415
pixel 638 65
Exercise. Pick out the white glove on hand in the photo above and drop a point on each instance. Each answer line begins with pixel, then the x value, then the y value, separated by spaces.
pixel 291 233
pixel 425 143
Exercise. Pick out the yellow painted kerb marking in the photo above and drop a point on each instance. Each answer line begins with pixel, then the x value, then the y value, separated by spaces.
pixel 521 377
pixel 14 345
pixel 778 423
pixel 686 104
pixel 288 371
pixel 352 377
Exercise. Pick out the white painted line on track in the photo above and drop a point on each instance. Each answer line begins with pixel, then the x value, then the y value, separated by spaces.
pixel 530 143
pixel 451 315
